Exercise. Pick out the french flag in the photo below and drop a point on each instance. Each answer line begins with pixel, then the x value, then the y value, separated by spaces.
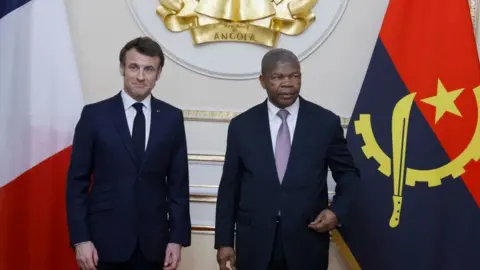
pixel 40 103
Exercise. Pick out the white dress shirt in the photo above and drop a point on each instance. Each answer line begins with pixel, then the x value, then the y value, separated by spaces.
pixel 131 112
pixel 275 121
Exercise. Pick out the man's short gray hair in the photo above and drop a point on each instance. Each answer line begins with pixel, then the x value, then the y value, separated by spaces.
pixel 272 57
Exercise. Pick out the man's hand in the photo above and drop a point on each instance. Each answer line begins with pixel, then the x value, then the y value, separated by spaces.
pixel 224 255
pixel 87 256
pixel 325 221
pixel 172 256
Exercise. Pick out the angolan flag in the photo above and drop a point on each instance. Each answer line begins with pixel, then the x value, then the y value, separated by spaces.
pixel 40 102
pixel 415 136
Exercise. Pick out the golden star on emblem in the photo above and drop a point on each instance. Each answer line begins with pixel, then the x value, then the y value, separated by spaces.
pixel 444 101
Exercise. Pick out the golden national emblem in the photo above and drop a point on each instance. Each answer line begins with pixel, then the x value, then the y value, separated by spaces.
pixel 249 21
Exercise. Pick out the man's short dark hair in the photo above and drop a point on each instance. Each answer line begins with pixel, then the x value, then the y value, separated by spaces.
pixel 145 46
pixel 274 56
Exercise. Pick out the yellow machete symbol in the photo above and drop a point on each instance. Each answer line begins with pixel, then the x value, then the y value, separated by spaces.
pixel 402 175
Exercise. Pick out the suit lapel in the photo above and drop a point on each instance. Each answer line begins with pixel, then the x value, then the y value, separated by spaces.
pixel 265 141
pixel 299 138
pixel 120 120
pixel 155 128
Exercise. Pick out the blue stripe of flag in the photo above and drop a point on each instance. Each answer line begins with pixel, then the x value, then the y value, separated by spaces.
pixel 7 6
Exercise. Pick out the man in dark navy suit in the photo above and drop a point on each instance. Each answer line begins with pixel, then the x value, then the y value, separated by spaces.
pixel 273 192
pixel 128 185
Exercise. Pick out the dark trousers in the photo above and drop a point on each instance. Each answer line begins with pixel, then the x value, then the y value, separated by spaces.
pixel 278 261
pixel 136 262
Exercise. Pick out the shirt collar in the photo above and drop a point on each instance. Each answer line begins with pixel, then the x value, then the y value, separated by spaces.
pixel 128 101
pixel 292 109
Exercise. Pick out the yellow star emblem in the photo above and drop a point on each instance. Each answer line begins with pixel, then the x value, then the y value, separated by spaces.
pixel 444 101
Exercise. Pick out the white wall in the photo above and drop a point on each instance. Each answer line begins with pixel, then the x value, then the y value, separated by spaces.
pixel 333 74
pixel 332 78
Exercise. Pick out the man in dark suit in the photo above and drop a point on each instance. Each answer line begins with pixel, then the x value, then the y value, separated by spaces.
pixel 128 185
pixel 274 182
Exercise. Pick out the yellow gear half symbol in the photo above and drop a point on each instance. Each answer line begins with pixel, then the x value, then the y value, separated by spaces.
pixel 403 175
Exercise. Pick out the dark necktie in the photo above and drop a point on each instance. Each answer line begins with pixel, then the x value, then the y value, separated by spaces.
pixel 138 133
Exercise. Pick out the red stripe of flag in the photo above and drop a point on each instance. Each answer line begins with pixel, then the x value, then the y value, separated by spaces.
pixel 33 218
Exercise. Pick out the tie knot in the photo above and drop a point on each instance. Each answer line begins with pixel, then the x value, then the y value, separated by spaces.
pixel 283 114
pixel 138 106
